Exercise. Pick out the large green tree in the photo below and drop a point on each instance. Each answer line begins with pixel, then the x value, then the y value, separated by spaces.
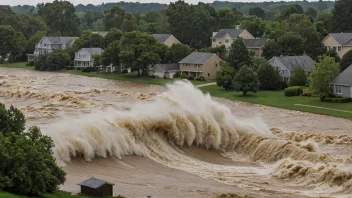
pixel 111 54
pixel 56 60
pixel 254 25
pixel 114 17
pixel 298 78
pixel 342 16
pixel 177 52
pixel 12 42
pixel 246 80
pixel 239 54
pixel 113 35
pixel 271 49
pixel 322 74
pixel 154 23
pixel 257 11
pixel 59 16
pixel 225 76
pixel 291 9
pixel 291 44
pixel 269 78
pixel 27 166
pixel 129 23
pixel 227 19
pixel 346 61
pixel 312 13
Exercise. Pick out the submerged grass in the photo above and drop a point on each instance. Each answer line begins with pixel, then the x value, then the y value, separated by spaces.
pixel 17 65
pixel 278 99
pixel 56 194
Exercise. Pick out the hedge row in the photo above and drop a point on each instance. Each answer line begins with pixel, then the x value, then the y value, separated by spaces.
pixel 337 100
pixel 293 91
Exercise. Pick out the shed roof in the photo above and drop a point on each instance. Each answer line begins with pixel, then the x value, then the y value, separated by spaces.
pixel 197 58
pixel 93 51
pixel 169 67
pixel 291 62
pixel 60 40
pixel 254 43
pixel 93 183
pixel 342 38
pixel 345 77
pixel 162 37
pixel 233 33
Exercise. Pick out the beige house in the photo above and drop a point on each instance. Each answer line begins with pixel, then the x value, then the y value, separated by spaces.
pixel 255 45
pixel 200 64
pixel 167 39
pixel 339 42
pixel 227 36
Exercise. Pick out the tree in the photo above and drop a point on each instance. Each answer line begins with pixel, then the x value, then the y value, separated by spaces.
pixel 5 11
pixel 238 14
pixel 226 19
pixel 254 25
pixel 27 166
pixel 298 78
pixel 111 54
pixel 312 12
pixel 55 60
pixel 97 59
pixel 129 24
pixel 29 25
pixel 269 78
pixel 114 17
pixel 342 16
pixel 322 5
pixel 239 54
pixel 257 62
pixel 177 52
pixel 154 23
pixel 326 18
pixel 12 42
pixel 220 51
pixel 291 9
pixel 113 35
pixel 225 76
pixel 271 49
pixel 88 40
pixel 257 11
pixel 320 27
pixel 346 60
pixel 291 44
pixel 139 51
pixel 246 80
pixel 59 16
pixel 334 54
pixel 322 74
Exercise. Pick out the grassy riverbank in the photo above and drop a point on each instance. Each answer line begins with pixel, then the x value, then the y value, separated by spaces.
pixel 57 194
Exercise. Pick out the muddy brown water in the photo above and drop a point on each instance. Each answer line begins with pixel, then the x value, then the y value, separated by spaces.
pixel 132 135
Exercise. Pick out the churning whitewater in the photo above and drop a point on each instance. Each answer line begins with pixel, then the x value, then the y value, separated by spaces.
pixel 178 142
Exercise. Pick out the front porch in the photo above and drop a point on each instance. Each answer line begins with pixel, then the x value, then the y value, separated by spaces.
pixel 78 63
pixel 195 74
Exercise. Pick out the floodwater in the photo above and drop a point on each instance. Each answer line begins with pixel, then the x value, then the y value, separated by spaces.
pixel 174 141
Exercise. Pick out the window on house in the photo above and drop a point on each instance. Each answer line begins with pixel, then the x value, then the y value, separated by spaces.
pixel 216 65
pixel 338 90
pixel 214 40
pixel 334 49
pixel 220 43
pixel 339 49
pixel 226 41
pixel 208 74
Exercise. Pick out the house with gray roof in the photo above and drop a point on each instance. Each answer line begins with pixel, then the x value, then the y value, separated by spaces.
pixel 167 39
pixel 85 57
pixel 48 44
pixel 165 70
pixel 227 36
pixel 338 42
pixel 199 64
pixel 255 45
pixel 286 65
pixel 342 84
pixel 96 187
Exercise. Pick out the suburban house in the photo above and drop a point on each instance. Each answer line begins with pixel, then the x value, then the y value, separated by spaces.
pixel 165 70
pixel 167 39
pixel 342 84
pixel 48 44
pixel 339 42
pixel 227 36
pixel 255 45
pixel 200 64
pixel 84 57
pixel 96 187
pixel 286 65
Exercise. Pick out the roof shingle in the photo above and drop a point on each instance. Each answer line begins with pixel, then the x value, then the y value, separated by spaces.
pixel 291 62
pixel 60 40
pixel 93 183
pixel 344 78
pixel 94 51
pixel 169 67
pixel 344 39
pixel 233 33
pixel 254 43
pixel 162 37
pixel 197 58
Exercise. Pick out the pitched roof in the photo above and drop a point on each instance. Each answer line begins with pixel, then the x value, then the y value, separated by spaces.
pixel 169 67
pixel 291 62
pixel 93 183
pixel 101 33
pixel 255 43
pixel 60 40
pixel 345 77
pixel 93 51
pixel 162 37
pixel 342 38
pixel 197 58
pixel 233 33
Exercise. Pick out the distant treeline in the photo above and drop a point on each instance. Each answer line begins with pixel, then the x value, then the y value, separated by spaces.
pixel 274 7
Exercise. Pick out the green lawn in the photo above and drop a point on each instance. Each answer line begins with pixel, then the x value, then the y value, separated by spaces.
pixel 57 194
pixel 17 65
pixel 129 77
pixel 277 99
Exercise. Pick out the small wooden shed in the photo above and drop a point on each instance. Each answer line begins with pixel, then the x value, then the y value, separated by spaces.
pixel 96 188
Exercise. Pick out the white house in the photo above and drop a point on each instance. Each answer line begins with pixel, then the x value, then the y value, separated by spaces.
pixel 48 44
pixel 165 70
pixel 84 57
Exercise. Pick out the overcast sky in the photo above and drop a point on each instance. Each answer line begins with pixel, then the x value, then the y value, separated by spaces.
pixel 95 2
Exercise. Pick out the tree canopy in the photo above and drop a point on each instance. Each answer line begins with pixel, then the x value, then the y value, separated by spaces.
pixel 225 76
pixel 246 80
pixel 239 54
pixel 269 78
pixel 298 78
pixel 342 16
pixel 346 60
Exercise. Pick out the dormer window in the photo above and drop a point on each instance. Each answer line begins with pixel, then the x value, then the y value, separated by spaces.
pixel 227 41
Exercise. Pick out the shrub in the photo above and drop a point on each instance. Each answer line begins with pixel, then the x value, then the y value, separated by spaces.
pixel 225 76
pixel 198 79
pixel 183 76
pixel 177 74
pixel 307 92
pixel 89 69
pixel 336 100
pixel 190 78
pixel 269 78
pixel 293 91
pixel 125 71
pixel 298 78
pixel 202 78
pixel 30 63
